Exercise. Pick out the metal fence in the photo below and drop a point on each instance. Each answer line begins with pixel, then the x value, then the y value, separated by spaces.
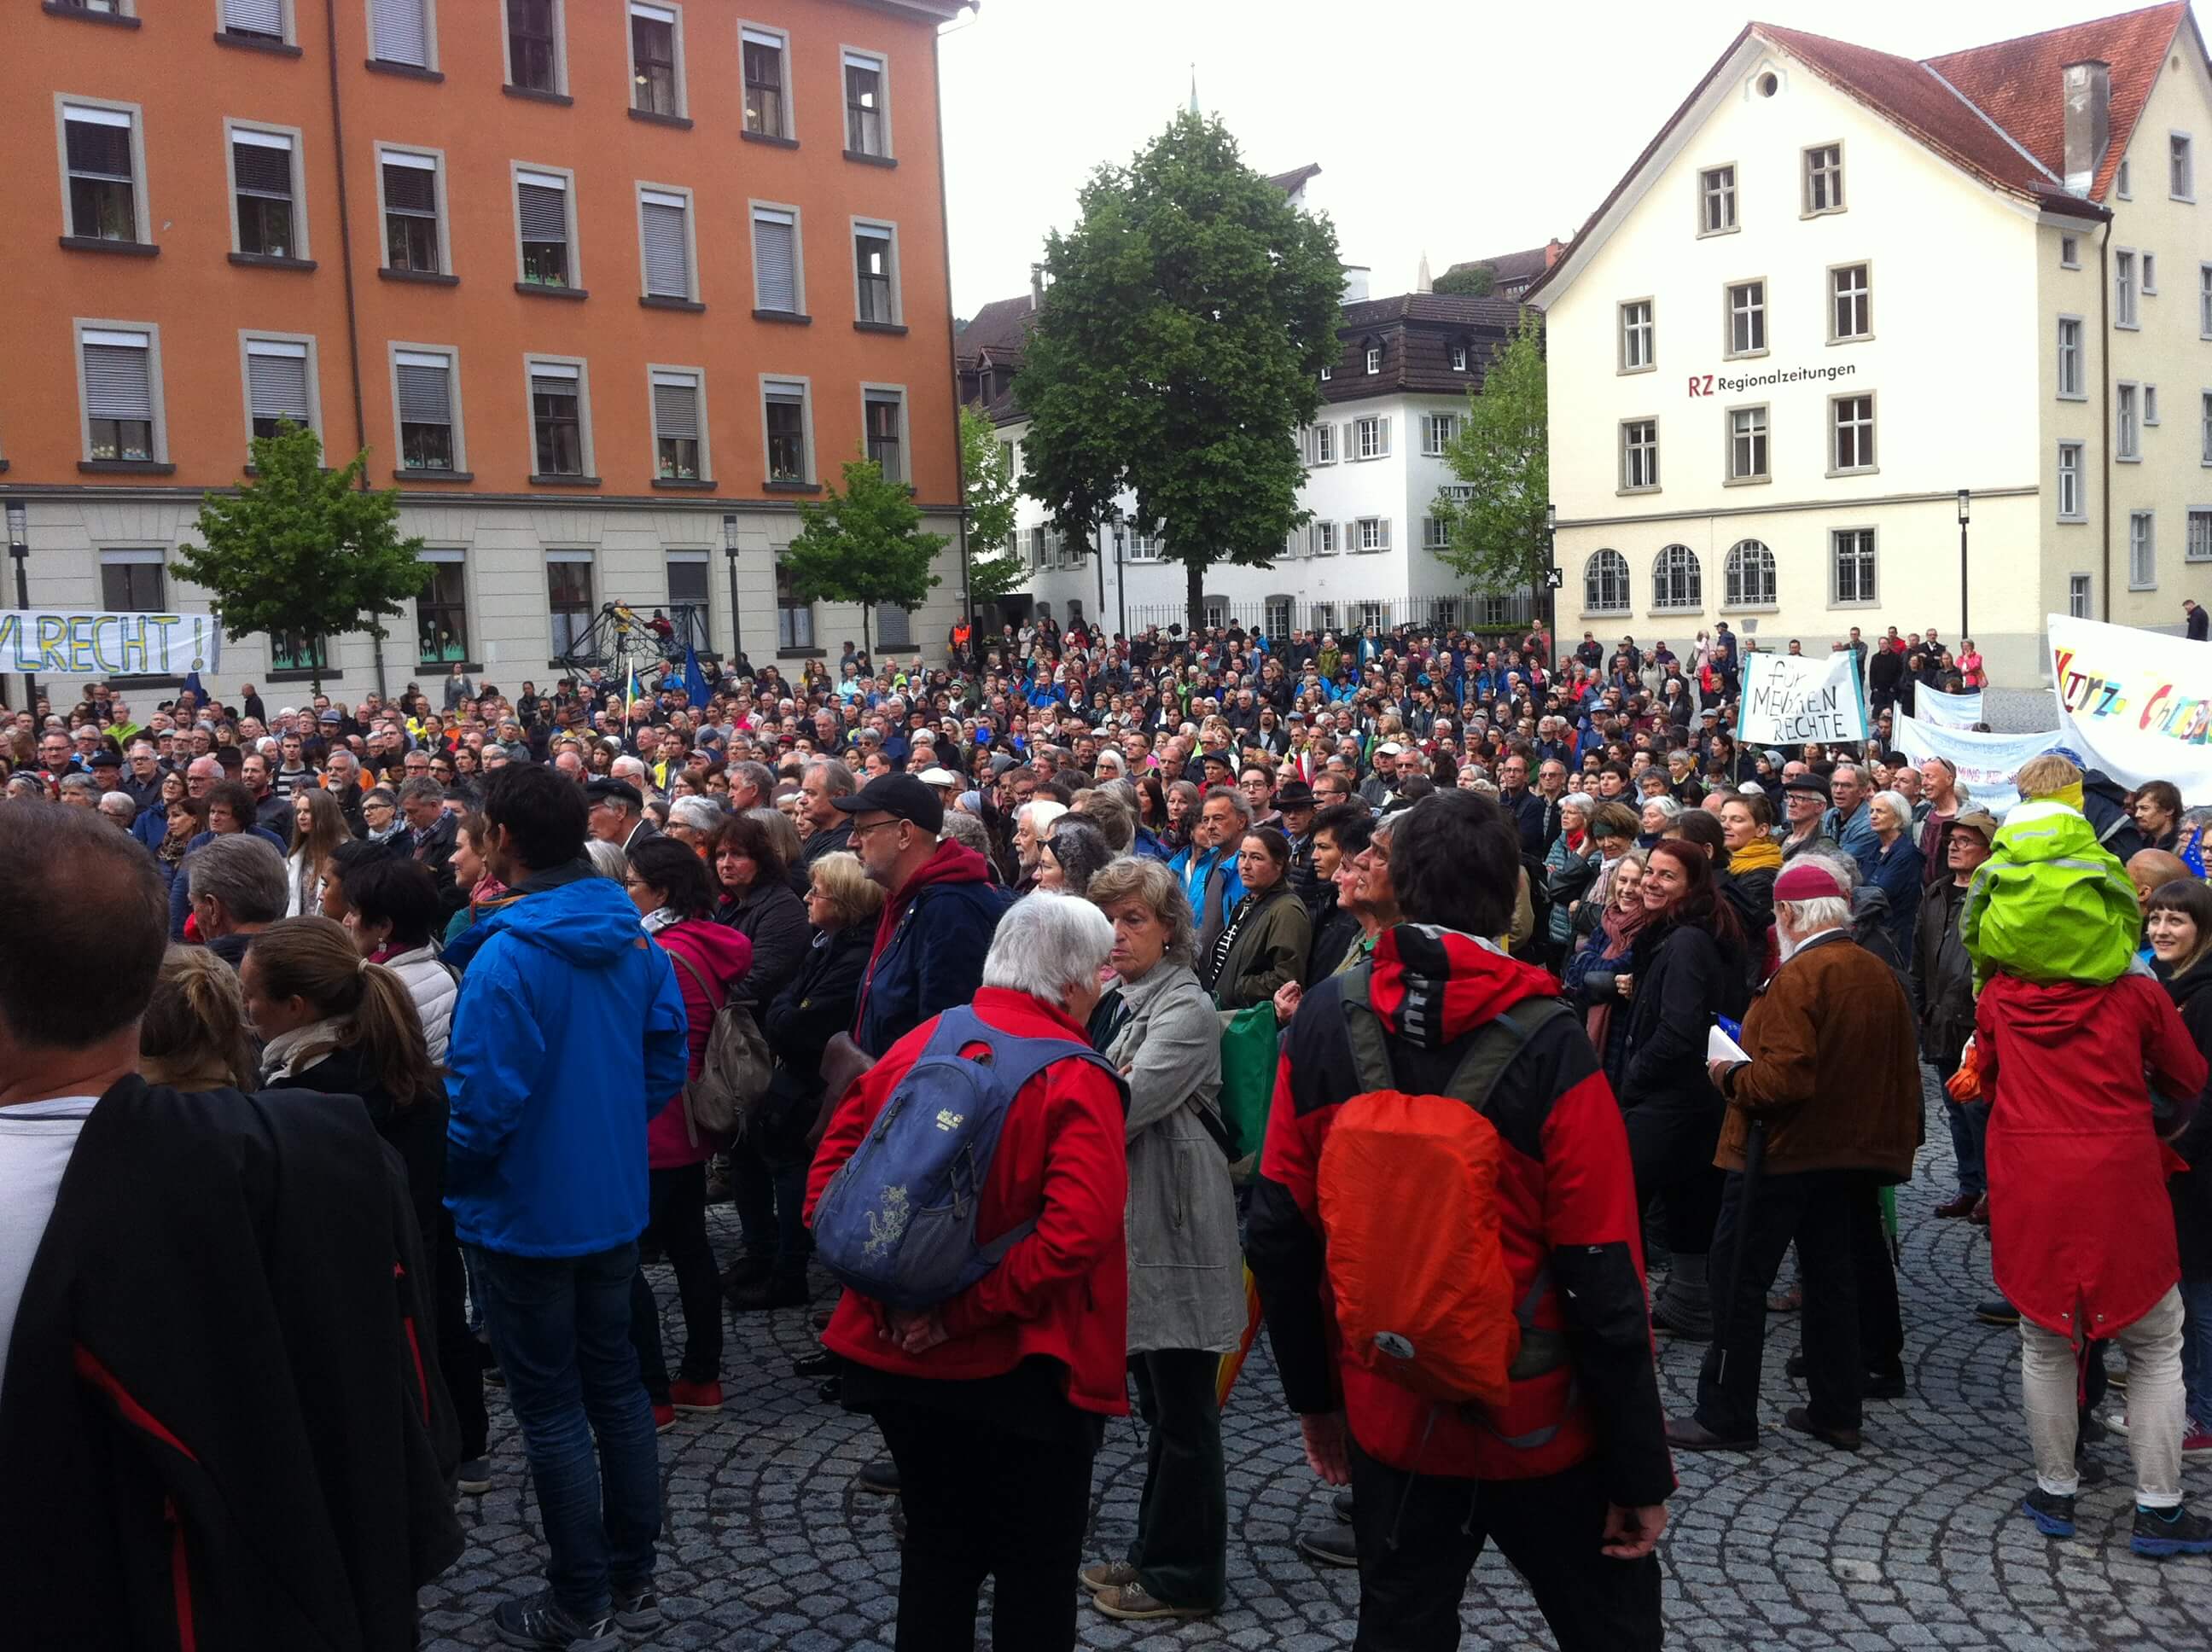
pixel 1281 616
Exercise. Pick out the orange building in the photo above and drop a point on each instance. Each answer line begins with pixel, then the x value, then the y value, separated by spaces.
pixel 602 286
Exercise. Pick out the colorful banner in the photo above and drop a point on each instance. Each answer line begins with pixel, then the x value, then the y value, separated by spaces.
pixel 70 642
pixel 2136 704
pixel 1948 710
pixel 1985 762
pixel 1789 699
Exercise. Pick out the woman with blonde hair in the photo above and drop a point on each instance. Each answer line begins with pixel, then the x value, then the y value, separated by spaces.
pixel 319 827
pixel 193 1036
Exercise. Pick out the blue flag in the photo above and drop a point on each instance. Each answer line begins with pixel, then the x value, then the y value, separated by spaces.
pixel 191 685
pixel 695 680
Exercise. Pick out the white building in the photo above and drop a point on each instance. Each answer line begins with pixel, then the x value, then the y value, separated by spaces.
pixel 1838 288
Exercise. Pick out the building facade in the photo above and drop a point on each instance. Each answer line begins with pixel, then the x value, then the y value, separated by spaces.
pixel 1841 287
pixel 603 289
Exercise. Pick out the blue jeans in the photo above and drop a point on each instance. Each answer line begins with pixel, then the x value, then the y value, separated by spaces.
pixel 2197 1349
pixel 560 1326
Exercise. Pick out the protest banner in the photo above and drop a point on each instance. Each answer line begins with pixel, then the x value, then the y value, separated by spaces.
pixel 2136 704
pixel 1948 710
pixel 1789 699
pixel 1985 762
pixel 76 642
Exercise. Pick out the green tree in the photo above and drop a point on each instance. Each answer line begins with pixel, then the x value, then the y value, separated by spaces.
pixel 302 550
pixel 991 491
pixel 1500 537
pixel 865 545
pixel 1178 351
pixel 1468 280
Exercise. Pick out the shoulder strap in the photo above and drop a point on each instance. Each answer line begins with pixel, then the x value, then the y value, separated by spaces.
pixel 692 970
pixel 1494 1046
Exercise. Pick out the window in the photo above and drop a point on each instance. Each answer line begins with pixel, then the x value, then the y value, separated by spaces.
pixel 689 604
pixel 568 600
pixel 262 177
pixel 1605 583
pixel 1371 438
pixel 279 386
pixel 2142 551
pixel 411 214
pixel 424 379
pixel 1636 342
pixel 1851 558
pixel 1639 454
pixel 1824 179
pixel 1459 358
pixel 784 404
pixel 100 155
pixel 2069 359
pixel 556 418
pixel 2070 508
pixel 1676 580
pixel 762 51
pixel 2127 410
pixel 2077 596
pixel 400 31
pixel 1037 547
pixel 2149 405
pixel 2069 252
pixel 1373 533
pixel 775 260
pixel 1322 614
pixel 533 45
pixel 1436 532
pixel 540 212
pixel 1747 444
pixel 1747 309
pixel 1748 576
pixel 1324 539
pixel 1327 373
pixel 883 417
pixel 120 375
pixel 895 625
pixel 1438 430
pixel 298 651
pixel 665 239
pixel 1852 418
pixel 1146 547
pixel 679 450
pixel 132 582
pixel 1373 616
pixel 794 615
pixel 2205 301
pixel 1324 444
pixel 2204 426
pixel 1851 302
pixel 441 612
pixel 2123 181
pixel 1374 359
pixel 1277 614
pixel 2127 309
pixel 874 268
pixel 656 89
pixel 254 20
pixel 1716 200
pixel 2198 548
pixel 2151 275
pixel 2180 167
pixel 868 130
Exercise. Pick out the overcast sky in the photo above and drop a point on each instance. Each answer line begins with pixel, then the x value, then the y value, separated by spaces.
pixel 1452 127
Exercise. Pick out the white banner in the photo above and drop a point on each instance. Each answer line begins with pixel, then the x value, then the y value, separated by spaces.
pixel 1948 710
pixel 1789 699
pixel 2136 704
pixel 1985 762
pixel 69 642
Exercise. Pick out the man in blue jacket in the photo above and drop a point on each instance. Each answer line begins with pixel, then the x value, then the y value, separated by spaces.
pixel 569 1035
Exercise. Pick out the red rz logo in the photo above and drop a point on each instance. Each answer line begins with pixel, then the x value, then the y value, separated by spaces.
pixel 1701 384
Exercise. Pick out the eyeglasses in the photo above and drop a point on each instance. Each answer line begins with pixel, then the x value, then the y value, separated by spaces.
pixel 861 829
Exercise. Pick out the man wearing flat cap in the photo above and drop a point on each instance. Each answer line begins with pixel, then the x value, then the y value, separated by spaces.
pixel 617 814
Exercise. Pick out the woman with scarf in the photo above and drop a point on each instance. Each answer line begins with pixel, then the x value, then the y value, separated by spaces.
pixel 1268 933
pixel 186 818
pixel 1754 861
pixel 1592 979
pixel 1571 865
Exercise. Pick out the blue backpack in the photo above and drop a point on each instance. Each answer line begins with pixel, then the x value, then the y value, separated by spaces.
pixel 898 1222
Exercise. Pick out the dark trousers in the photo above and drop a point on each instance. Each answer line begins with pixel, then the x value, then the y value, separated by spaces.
pixel 1671 1149
pixel 1181 1549
pixel 678 1225
pixel 770 1195
pixel 1852 1324
pixel 1419 1535
pixel 984 1502
pixel 460 1360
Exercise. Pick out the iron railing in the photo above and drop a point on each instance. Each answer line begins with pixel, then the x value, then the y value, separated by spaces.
pixel 1479 612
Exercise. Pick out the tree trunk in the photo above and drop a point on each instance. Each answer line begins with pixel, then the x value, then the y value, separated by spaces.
pixel 867 641
pixel 1195 596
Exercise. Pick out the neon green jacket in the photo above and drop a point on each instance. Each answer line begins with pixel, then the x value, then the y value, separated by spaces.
pixel 2050 903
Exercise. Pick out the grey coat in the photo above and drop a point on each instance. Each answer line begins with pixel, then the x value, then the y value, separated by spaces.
pixel 1186 1275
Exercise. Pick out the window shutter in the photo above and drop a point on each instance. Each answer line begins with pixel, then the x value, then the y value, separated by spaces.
pixel 400 34
pixel 1383 430
pixel 117 380
pixel 667 265
pixel 1382 528
pixel 543 207
pixel 263 164
pixel 1347 439
pixel 425 390
pixel 410 184
pixel 547 380
pixel 276 381
pixel 255 16
pixel 775 260
pixel 676 407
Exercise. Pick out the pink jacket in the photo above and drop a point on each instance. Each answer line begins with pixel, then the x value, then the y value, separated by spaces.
pixel 722 956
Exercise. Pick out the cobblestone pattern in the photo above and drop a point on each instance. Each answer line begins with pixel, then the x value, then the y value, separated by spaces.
pixel 1916 1542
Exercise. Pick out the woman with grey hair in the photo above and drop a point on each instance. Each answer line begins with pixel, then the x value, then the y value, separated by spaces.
pixel 608 859
pixel 1892 865
pixel 1655 814
pixel 1159 1030
pixel 692 820
pixel 993 1402
pixel 1570 866
pixel 1070 855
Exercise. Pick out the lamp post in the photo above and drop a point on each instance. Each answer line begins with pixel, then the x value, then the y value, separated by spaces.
pixel 737 631
pixel 19 551
pixel 1966 501
pixel 1551 580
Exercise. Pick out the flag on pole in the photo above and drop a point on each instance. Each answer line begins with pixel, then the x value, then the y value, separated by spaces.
pixel 695 680
pixel 192 686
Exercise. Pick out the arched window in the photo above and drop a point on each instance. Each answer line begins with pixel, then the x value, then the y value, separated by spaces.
pixel 1676 580
pixel 1605 583
pixel 1750 575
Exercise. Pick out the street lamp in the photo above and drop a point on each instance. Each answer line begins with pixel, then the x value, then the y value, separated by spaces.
pixel 1551 579
pixel 730 551
pixel 19 551
pixel 1966 499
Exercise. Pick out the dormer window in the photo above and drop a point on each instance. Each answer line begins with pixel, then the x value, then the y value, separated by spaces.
pixel 1459 358
pixel 1374 358
pixel 1327 373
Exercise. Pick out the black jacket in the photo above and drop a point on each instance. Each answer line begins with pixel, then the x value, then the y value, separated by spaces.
pixel 1943 978
pixel 1684 977
pixel 436 853
pixel 416 1133
pixel 2192 1193
pixel 224 1372
pixel 775 921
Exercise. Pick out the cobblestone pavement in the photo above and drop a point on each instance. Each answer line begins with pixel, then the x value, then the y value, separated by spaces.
pixel 1916 1542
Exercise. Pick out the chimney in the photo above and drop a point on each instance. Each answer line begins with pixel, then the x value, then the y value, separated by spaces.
pixel 1552 248
pixel 2088 121
pixel 1036 286
pixel 1355 283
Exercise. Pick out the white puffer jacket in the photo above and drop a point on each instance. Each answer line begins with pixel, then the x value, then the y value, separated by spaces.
pixel 434 989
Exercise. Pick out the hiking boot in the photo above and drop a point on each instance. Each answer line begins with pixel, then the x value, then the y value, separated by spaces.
pixel 1997 1311
pixel 473 1477
pixel 637 1606
pixel 762 1295
pixel 1688 1434
pixel 1801 1419
pixel 1330 1545
pixel 1952 1210
pixel 880 1477
pixel 1134 1603
pixel 1106 1575
pixel 2162 1531
pixel 2052 1514
pixel 686 1395
pixel 545 1624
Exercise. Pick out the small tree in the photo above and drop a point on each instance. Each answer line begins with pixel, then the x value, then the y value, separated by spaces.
pixel 992 492
pixel 865 545
pixel 1499 536
pixel 1468 280
pixel 303 550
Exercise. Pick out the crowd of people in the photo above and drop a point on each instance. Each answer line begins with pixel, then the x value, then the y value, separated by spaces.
pixel 1576 1016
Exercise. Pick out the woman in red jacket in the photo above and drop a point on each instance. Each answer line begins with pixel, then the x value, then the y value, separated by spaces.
pixel 675 898
pixel 993 1402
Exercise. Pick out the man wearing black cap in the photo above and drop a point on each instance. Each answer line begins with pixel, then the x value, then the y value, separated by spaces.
pixel 618 813
pixel 1294 802
pixel 939 913
pixel 1804 801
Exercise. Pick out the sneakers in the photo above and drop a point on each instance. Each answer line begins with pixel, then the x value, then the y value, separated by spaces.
pixel 664 1419
pixel 2162 1531
pixel 637 1607
pixel 2053 1514
pixel 880 1477
pixel 1330 1545
pixel 473 1477
pixel 684 1395
pixel 543 1624
pixel 1106 1575
pixel 1997 1311
pixel 1132 1603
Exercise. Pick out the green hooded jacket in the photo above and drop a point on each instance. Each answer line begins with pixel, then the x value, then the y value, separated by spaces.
pixel 2050 903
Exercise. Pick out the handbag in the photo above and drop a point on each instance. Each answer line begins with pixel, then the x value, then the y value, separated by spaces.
pixel 843 1064
pixel 733 1073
